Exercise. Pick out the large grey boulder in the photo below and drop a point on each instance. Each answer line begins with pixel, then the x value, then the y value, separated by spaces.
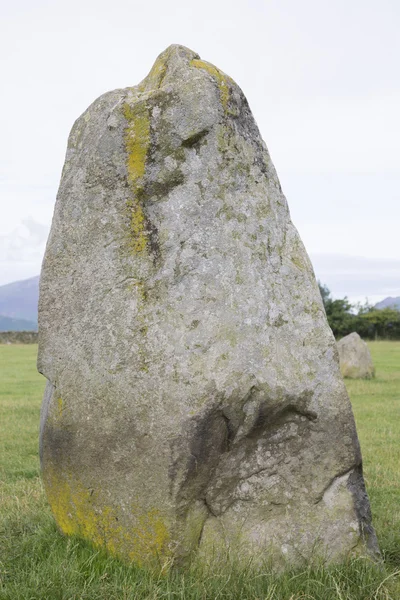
pixel 355 357
pixel 194 397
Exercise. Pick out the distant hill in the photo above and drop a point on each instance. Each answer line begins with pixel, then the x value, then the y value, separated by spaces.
pixel 10 324
pixel 19 301
pixel 389 303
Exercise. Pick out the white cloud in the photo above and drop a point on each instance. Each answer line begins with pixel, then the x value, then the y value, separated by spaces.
pixel 21 251
pixel 358 277
pixel 321 77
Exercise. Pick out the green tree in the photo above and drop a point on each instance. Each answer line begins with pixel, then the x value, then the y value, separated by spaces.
pixel 379 324
pixel 369 322
pixel 338 312
pixel 324 291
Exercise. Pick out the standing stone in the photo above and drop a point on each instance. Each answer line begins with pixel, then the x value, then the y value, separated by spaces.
pixel 194 397
pixel 355 358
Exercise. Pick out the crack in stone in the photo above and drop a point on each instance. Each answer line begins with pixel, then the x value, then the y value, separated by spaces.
pixel 331 482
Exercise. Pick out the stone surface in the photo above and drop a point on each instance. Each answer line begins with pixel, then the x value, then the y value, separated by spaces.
pixel 355 358
pixel 194 397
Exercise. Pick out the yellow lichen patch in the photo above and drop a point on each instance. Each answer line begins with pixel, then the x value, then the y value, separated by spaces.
pixel 150 536
pixel 137 141
pixel 221 78
pixel 60 407
pixel 74 511
pixel 78 510
pixel 154 79
pixel 137 226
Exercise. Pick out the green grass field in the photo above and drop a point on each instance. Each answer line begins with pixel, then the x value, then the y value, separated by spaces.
pixel 37 562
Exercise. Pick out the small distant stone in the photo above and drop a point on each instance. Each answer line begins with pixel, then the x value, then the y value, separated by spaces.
pixel 355 358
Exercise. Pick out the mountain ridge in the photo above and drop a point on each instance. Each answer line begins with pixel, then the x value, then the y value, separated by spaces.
pixel 389 302
pixel 19 304
pixel 10 324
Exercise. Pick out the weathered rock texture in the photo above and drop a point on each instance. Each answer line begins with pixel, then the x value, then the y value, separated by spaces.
pixel 355 357
pixel 194 396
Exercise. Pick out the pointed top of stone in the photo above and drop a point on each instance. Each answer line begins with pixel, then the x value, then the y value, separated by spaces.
pixel 178 65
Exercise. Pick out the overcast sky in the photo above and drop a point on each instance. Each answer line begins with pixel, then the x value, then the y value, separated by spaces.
pixel 322 78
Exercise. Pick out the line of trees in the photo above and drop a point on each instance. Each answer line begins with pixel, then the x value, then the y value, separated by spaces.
pixel 369 322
